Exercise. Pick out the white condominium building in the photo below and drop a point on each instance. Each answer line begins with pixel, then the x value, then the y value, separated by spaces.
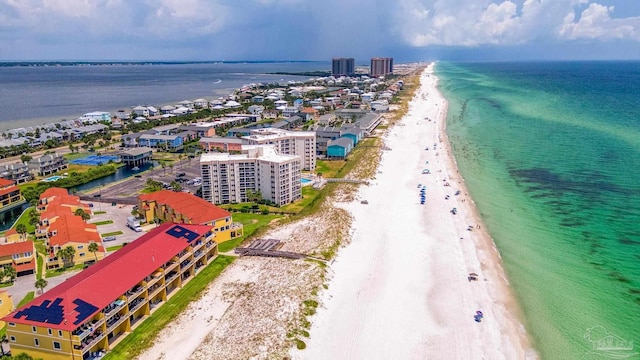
pixel 226 177
pixel 301 143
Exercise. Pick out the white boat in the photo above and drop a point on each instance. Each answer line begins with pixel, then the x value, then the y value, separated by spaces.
pixel 135 168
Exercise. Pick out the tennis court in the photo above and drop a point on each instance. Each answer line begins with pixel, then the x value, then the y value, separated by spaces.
pixel 94 160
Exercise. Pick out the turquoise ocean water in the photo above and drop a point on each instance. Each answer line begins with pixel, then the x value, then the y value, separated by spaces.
pixel 551 155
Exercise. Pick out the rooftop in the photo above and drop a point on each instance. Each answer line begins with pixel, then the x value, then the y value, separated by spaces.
pixel 80 297
pixel 199 211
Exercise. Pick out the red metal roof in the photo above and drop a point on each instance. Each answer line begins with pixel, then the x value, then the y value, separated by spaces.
pixel 198 210
pixel 8 190
pixel 104 282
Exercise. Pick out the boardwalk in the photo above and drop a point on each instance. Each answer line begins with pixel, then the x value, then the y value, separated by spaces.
pixel 353 181
pixel 265 247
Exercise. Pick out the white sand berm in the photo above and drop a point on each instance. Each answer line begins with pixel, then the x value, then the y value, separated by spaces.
pixel 399 290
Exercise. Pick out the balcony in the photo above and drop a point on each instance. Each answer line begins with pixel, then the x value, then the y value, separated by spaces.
pixel 170 266
pixel 170 276
pixel 113 307
pixel 87 329
pixel 115 321
pixel 133 293
pixel 90 341
pixel 185 264
pixel 136 304
pixel 198 254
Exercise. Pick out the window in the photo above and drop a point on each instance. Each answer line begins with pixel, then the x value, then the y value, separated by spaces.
pixel 34 329
pixel 50 331
pixel 80 247
pixel 60 333
pixel 36 342
pixel 12 324
pixel 15 256
pixel 56 345
pixel 12 338
pixel 81 254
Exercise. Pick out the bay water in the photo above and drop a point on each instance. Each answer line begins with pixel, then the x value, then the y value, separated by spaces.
pixel 550 153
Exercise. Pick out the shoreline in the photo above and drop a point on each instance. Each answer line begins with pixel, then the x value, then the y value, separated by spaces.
pixel 365 305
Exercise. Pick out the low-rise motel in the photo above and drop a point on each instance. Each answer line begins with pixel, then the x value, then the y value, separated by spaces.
pixel 86 315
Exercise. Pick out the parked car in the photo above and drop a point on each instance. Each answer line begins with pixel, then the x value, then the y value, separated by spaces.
pixel 181 174
pixel 108 238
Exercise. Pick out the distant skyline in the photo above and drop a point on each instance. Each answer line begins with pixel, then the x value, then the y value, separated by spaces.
pixel 407 30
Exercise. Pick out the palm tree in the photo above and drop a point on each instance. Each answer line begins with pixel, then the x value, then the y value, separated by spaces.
pixel 21 229
pixel 83 214
pixel 93 247
pixel 10 272
pixel 175 186
pixel 41 284
pixel 66 254
pixel 164 168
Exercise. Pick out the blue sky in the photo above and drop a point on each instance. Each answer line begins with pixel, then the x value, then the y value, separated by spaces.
pixel 408 30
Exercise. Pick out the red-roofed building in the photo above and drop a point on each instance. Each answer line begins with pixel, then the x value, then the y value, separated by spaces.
pixel 20 255
pixel 71 231
pixel 61 197
pixel 181 207
pixel 10 195
pixel 88 312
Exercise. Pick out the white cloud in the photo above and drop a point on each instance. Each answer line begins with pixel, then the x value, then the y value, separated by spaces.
pixel 596 23
pixel 482 22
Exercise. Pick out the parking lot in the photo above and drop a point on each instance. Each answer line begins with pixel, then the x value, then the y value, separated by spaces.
pixel 118 214
pixel 131 187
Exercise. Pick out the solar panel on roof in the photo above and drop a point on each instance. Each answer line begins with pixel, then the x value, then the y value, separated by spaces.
pixel 180 232
pixel 47 312
pixel 84 310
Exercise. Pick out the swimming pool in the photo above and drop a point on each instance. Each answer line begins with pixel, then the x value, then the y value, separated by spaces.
pixel 305 181
pixel 52 178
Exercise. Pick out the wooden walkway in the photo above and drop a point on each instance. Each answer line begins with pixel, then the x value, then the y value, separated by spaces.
pixel 265 247
pixel 353 181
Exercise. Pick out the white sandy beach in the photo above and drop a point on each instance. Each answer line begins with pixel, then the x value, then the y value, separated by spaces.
pixel 400 289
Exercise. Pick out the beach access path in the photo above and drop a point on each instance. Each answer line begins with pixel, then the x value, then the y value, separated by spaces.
pixel 400 289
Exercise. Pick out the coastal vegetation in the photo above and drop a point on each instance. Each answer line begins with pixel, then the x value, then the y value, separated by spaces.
pixel 32 192
pixel 144 335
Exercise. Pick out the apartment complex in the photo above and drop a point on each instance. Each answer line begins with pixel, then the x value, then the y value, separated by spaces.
pixel 86 315
pixel 9 195
pixel 61 228
pixel 301 143
pixel 48 164
pixel 21 255
pixel 226 177
pixel 381 66
pixel 185 208
pixel 18 172
pixel 343 66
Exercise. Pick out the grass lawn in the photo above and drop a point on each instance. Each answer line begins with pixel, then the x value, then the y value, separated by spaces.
pixel 105 222
pixel 24 219
pixel 113 233
pixel 308 195
pixel 329 169
pixel 114 248
pixel 252 223
pixel 99 212
pixel 41 247
pixel 30 295
pixel 143 336
pixel 60 271
pixel 39 262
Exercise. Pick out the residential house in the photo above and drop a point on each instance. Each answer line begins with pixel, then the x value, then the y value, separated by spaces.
pixel 255 109
pixel 18 172
pixel 82 317
pixel 169 142
pixel 10 196
pixel 185 208
pixel 201 103
pixel 48 164
pixel 327 119
pixel 69 230
pixel 339 148
pixel 20 255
